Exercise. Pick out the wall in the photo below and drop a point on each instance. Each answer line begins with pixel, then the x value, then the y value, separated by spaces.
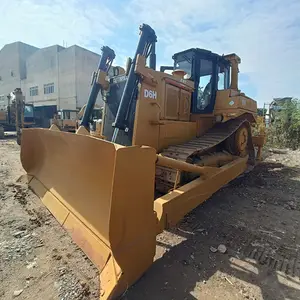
pixel 42 68
pixel 12 59
pixel 67 79
pixel 9 62
pixel 69 68
pixel 86 63
pixel 25 51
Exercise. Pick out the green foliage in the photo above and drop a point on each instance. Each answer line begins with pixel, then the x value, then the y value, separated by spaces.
pixel 285 130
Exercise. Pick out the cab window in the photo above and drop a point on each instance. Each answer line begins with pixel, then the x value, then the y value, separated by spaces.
pixel 66 115
pixel 223 77
pixel 205 84
pixel 73 115
pixel 184 62
pixel 28 111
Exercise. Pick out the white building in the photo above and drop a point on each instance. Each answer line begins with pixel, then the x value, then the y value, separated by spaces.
pixel 51 78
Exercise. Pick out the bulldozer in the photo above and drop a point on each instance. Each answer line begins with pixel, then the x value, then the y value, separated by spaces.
pixel 69 119
pixel 65 120
pixel 95 127
pixel 15 114
pixel 169 142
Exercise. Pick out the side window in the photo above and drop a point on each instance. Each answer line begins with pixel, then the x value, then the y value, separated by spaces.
pixel 67 115
pixel 205 84
pixel 223 77
pixel 228 76
pixel 221 81
pixel 73 115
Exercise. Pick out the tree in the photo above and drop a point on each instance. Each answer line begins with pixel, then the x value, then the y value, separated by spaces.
pixel 285 131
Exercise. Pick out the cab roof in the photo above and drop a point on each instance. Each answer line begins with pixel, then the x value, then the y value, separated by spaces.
pixel 203 53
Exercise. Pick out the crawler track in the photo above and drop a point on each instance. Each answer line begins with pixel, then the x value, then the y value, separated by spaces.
pixel 166 177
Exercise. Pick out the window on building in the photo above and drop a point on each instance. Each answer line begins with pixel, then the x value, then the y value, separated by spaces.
pixel 49 88
pixel 34 91
pixel 3 103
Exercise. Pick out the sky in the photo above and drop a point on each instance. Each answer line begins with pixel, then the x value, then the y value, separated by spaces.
pixel 264 33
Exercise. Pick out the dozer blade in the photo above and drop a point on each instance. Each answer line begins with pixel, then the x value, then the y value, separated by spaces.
pixel 102 194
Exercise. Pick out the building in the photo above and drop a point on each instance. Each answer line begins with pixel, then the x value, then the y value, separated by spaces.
pixel 13 59
pixel 51 78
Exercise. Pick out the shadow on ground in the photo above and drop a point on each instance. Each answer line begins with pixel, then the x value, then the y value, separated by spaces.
pixel 256 217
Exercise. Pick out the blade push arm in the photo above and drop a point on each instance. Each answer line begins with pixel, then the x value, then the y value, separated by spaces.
pixel 146 47
pixel 105 63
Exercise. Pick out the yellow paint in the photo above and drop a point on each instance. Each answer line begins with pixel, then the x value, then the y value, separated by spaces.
pixel 103 193
pixel 173 206
pixel 2 116
pixel 175 132
pixel 234 61
pixel 230 105
pixel 93 199
pixel 164 119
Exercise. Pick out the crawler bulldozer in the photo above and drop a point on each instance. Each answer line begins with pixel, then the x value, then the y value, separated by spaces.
pixel 69 119
pixel 169 141
pixel 15 114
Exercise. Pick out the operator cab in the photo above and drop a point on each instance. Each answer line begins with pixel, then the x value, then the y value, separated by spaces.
pixel 67 114
pixel 210 73
pixel 28 113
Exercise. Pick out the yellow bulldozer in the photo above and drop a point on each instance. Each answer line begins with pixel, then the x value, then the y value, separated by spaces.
pixel 169 141
pixel 69 119
pixel 15 114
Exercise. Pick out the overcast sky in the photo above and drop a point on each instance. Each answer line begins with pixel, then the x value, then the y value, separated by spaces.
pixel 265 33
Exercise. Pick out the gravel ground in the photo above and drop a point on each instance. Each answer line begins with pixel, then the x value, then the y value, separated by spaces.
pixel 241 244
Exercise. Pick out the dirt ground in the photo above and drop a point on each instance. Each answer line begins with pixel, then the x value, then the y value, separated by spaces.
pixel 256 217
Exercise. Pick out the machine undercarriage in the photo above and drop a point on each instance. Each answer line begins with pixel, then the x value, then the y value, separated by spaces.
pixel 220 145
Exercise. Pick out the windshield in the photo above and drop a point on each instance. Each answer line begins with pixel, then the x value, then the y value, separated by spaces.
pixel 184 62
pixel 97 114
pixel 185 66
pixel 28 111
pixel 66 115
